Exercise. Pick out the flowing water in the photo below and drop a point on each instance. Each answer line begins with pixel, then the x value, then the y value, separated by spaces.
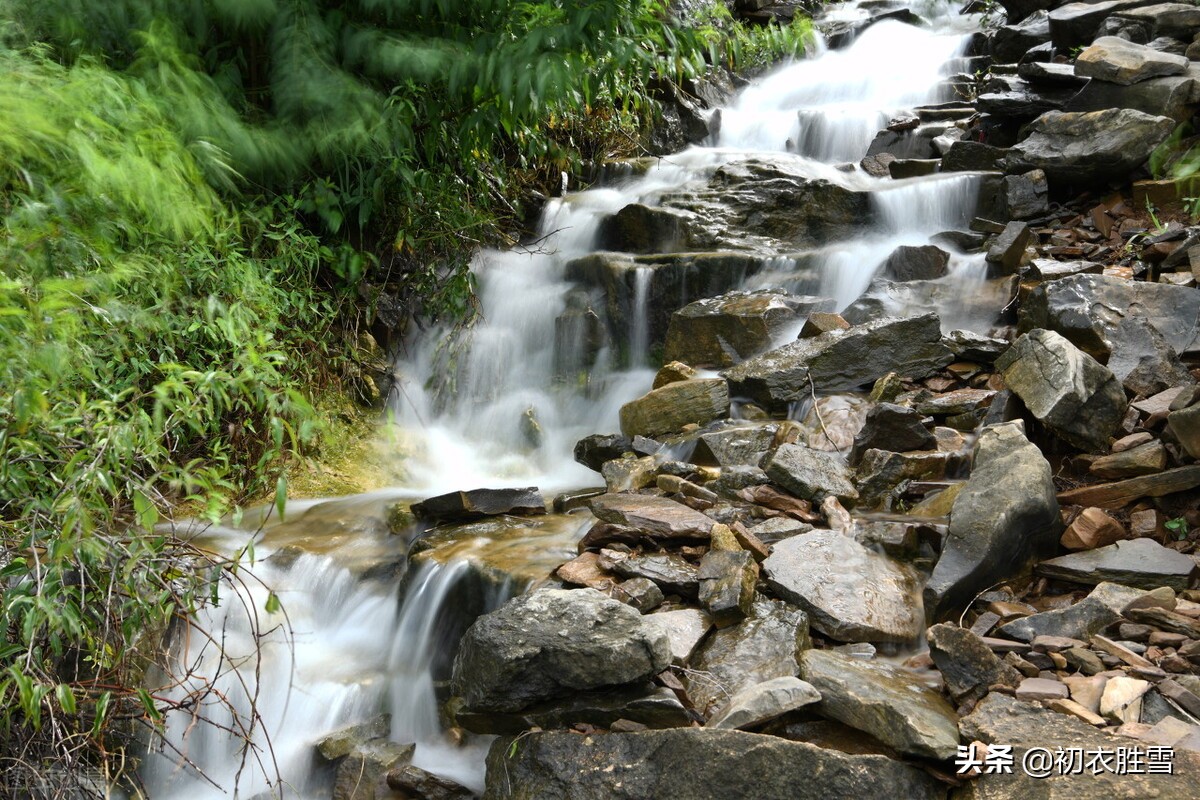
pixel 505 405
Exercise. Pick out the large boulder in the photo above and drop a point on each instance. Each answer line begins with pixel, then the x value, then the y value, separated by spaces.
pixel 668 408
pixel 824 573
pixel 1087 309
pixel 1004 517
pixel 842 360
pixel 888 703
pixel 642 229
pixel 1142 359
pixel 1076 24
pixel 1120 61
pixel 691 764
pixel 1089 148
pixel 1074 395
pixel 553 643
pixel 1174 96
pixel 1176 20
pixel 909 263
pixel 720 331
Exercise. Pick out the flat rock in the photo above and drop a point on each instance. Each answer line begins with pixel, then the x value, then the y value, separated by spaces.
pixel 1078 621
pixel 668 408
pixel 736 446
pixel 1002 519
pixel 478 503
pixel 1145 459
pixel 1143 360
pixel 655 517
pixel 1141 563
pixel 884 701
pixel 1120 61
pixel 811 474
pixel 823 572
pixel 763 702
pixel 671 572
pixel 1122 493
pixel 691 764
pixel 721 331
pixel 1042 689
pixel 644 703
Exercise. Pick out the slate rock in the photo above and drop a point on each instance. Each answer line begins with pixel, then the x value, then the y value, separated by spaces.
pixel 685 628
pixel 592 451
pixel 1141 563
pixel 892 427
pixel 656 517
pixel 1120 61
pixel 967 664
pixel 1080 620
pixel 479 503
pixel 763 702
pixel 668 408
pixel 811 474
pixel 727 581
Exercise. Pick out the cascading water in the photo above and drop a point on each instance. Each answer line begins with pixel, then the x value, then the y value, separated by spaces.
pixel 504 404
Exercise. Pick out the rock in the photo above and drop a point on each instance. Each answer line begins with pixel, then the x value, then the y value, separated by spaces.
pixel 684 628
pixel 344 741
pixel 823 572
pixel 1091 529
pixel 842 360
pixel 1176 20
pixel 1040 72
pixel 1146 459
pixel 478 503
pixel 892 427
pixel 1078 621
pixel 811 474
pixel 1041 689
pixel 672 372
pixel 1122 493
pixel 552 643
pixel 1026 196
pixel 1089 148
pixel 881 472
pixel 1046 269
pixel 641 229
pixel 779 528
pixel 640 593
pixel 721 331
pixel 966 156
pixel 585 570
pixel 820 322
pixel 903 168
pixel 691 764
pixel 593 451
pixel 670 572
pixel 642 703
pixel 1141 563
pixel 763 702
pixel 736 446
pixel 1184 424
pixel 413 782
pixel 629 473
pixel 1076 24
pixel 907 263
pixel 883 701
pixel 765 645
pixel 1005 720
pixel 1122 699
pixel 1073 394
pixel 655 517
pixel 727 581
pixel 1120 61
pixel 1143 360
pixel 669 408
pixel 1004 517
pixel 362 771
pixel 1010 42
pixel 967 664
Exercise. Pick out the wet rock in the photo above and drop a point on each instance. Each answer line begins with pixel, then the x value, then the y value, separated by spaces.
pixel 593 451
pixel 820 322
pixel 892 427
pixel 1005 516
pixel 1174 97
pixel 763 702
pixel 478 503
pixel 655 517
pixel 883 701
pixel 811 474
pixel 1141 563
pixel 641 229
pixel 736 446
pixel 727 581
pixel 1075 24
pixel 640 593
pixel 629 473
pixel 721 331
pixel 669 571
pixel 1089 148
pixel 668 408
pixel 967 156
pixel 1026 196
pixel 1092 528
pixel 673 372
pixel 1010 42
pixel 642 703
pixel 684 628
pixel 1120 61
pixel 765 645
pixel 344 741
pixel 414 782
pixel 843 360
pixel 1143 360
pixel 823 572
pixel 552 643
pixel 1003 720
pixel 691 764
pixel 779 528
pixel 360 773
pixel 1087 309
pixel 1080 620
pixel 881 473
pixel 968 665
pixel 1069 391
pixel 908 263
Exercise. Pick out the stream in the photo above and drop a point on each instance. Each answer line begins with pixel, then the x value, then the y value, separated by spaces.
pixel 503 406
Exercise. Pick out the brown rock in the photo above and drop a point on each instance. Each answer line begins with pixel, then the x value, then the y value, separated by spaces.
pixel 585 570
pixel 1145 459
pixel 1042 689
pixel 1122 493
pixel 1091 529
pixel 673 372
pixel 820 322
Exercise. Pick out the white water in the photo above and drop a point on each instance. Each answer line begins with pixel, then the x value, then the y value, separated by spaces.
pixel 355 650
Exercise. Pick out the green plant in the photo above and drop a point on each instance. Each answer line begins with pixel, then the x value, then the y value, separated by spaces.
pixel 1178 527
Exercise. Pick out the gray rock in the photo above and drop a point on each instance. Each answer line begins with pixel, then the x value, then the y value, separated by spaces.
pixel 361 772
pixel 684 628
pixel 811 474
pixel 1080 620
pixel 1003 720
pixel 824 573
pixel 1119 61
pixel 641 229
pixel 592 451
pixel 842 360
pixel 966 156
pixel 884 701
pixel 1143 360
pixel 721 331
pixel 412 781
pixel 1008 249
pixel 668 408
pixel 1026 196
pixel 765 645
pixel 644 703
pixel 1010 42
pixel 763 702
pixel 657 517
pixel 1172 96
pixel 907 263
pixel 552 643
pixel 1184 424
pixel 1087 309
pixel 478 503
pixel 640 593
pixel 1066 389
pixel 691 764
pixel 670 572
pixel 1089 148
pixel 779 528
pixel 734 479
pixel 881 472
pixel 1176 20
pixel 1141 563
pixel 892 427
pixel 968 665
pixel 1076 24
pixel 735 446
pixel 1004 517
pixel 342 742
pixel 727 581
